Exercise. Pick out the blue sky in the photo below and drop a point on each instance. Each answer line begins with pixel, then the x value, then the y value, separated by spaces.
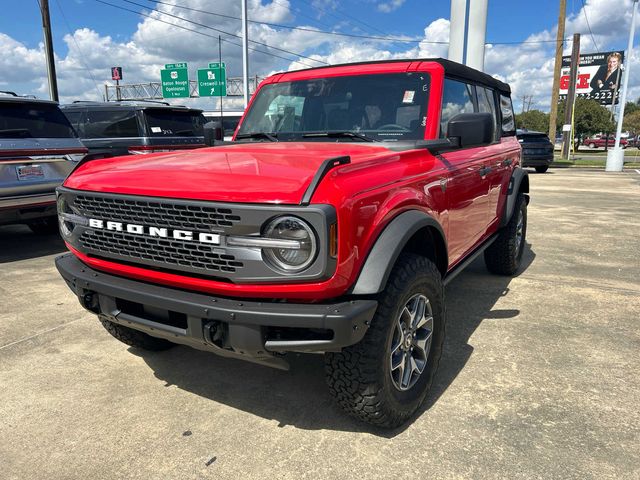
pixel 90 36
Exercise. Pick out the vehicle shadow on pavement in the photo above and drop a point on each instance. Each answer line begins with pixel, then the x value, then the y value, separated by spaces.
pixel 17 242
pixel 300 397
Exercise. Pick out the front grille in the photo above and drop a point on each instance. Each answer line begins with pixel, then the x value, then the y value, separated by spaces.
pixel 157 213
pixel 162 251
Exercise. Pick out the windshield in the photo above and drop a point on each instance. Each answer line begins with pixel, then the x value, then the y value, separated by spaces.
pixel 33 120
pixel 383 107
pixel 172 123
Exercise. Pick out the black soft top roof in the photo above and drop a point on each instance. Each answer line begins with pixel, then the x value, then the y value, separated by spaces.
pixel 452 69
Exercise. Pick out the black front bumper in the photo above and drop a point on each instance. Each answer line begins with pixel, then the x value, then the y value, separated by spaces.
pixel 251 330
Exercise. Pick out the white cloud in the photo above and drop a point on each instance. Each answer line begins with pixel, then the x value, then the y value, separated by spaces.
pixel 390 6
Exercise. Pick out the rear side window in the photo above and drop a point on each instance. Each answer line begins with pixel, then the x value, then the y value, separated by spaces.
pixel 74 118
pixel 487 103
pixel 110 124
pixel 172 123
pixel 508 123
pixel 32 120
pixel 457 98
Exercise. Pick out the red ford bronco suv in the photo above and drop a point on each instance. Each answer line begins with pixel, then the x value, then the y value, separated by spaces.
pixel 351 195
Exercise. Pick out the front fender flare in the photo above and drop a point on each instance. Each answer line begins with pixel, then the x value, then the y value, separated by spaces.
pixel 516 186
pixel 387 248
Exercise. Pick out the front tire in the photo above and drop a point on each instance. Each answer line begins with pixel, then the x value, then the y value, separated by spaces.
pixel 385 378
pixel 135 338
pixel 504 255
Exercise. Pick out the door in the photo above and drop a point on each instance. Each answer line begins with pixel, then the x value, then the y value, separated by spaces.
pixel 468 180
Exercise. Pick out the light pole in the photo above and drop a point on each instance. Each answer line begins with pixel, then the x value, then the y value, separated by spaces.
pixel 615 156
pixel 245 54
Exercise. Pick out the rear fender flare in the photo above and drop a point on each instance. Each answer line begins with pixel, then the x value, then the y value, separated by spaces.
pixel 387 248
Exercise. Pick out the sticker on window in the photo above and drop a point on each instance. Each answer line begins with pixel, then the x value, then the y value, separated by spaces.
pixel 408 96
pixel 156 129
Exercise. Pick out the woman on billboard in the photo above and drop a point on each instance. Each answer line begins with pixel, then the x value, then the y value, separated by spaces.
pixel 606 78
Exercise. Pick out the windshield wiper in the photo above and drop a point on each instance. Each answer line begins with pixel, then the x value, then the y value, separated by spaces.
pixel 269 136
pixel 338 134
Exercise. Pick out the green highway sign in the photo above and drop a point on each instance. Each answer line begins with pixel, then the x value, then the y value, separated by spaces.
pixel 172 66
pixel 217 65
pixel 175 82
pixel 212 81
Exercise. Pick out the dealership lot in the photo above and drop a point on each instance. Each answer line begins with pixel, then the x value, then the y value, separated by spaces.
pixel 539 378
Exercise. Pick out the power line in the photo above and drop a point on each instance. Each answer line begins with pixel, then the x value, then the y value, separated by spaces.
pixel 304 29
pixel 584 10
pixel 226 33
pixel 81 56
pixel 343 13
pixel 201 33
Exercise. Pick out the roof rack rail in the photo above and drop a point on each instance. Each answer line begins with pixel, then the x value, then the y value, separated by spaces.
pixel 85 101
pixel 7 92
pixel 146 101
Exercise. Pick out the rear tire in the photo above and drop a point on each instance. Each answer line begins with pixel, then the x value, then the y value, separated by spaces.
pixel 592 145
pixel 504 255
pixel 44 226
pixel 369 379
pixel 135 338
pixel 542 168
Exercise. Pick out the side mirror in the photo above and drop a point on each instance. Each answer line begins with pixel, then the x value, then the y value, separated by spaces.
pixel 212 132
pixel 471 129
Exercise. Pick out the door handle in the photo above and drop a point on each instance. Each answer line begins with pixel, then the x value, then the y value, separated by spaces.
pixel 484 171
pixel 507 162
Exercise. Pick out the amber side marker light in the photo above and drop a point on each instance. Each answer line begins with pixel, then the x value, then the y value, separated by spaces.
pixel 333 240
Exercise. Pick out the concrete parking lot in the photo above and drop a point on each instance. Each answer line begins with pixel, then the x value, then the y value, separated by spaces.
pixel 539 377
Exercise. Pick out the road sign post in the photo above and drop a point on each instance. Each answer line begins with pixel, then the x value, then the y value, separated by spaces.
pixel 175 81
pixel 212 81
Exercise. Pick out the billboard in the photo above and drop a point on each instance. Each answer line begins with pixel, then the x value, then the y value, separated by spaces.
pixel 599 76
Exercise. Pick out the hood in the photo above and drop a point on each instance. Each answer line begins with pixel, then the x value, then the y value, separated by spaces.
pixel 246 173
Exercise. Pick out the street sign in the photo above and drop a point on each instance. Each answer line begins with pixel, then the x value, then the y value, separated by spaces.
pixel 172 66
pixel 175 82
pixel 116 73
pixel 212 81
pixel 217 65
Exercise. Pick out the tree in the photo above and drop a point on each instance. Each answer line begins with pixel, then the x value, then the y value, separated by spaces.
pixel 590 117
pixel 631 107
pixel 631 122
pixel 533 120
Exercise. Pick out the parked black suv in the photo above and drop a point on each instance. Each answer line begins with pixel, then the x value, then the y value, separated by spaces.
pixel 38 149
pixel 537 149
pixel 110 129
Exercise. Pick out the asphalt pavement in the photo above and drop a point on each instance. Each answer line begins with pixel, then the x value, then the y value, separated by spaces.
pixel 539 376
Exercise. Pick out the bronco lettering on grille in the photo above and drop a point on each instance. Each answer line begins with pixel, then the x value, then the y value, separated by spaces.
pixel 210 238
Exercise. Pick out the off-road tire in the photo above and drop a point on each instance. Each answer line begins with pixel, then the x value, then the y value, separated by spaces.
pixel 135 338
pixel 359 377
pixel 44 226
pixel 542 168
pixel 504 255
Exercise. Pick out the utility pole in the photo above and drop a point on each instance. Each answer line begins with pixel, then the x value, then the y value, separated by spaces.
pixel 48 50
pixel 615 156
pixel 571 97
pixel 245 54
pixel 553 114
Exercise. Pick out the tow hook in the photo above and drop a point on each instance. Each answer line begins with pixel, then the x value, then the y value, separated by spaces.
pixel 213 333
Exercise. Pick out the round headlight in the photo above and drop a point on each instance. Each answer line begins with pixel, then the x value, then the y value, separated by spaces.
pixel 290 260
pixel 66 227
